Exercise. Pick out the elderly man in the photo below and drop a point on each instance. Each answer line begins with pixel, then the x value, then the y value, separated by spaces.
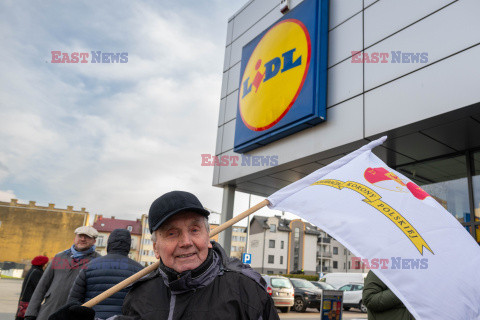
pixel 195 280
pixel 60 274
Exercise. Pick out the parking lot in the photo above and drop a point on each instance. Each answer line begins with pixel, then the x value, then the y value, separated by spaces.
pixel 314 314
pixel 10 290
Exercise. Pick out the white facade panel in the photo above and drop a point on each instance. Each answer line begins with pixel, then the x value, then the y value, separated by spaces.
pixel 389 16
pixel 223 93
pixel 221 112
pixel 432 36
pixel 228 135
pixel 367 3
pixel 251 33
pixel 218 147
pixel 442 87
pixel 231 106
pixel 251 14
pixel 226 59
pixel 344 39
pixel 345 80
pixel 216 175
pixel 233 78
pixel 341 10
pixel 230 31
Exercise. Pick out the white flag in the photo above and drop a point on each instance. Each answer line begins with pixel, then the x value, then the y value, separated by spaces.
pixel 433 263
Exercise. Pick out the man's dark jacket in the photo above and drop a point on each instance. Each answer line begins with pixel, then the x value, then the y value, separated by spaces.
pixel 381 302
pixel 103 273
pixel 32 278
pixel 220 288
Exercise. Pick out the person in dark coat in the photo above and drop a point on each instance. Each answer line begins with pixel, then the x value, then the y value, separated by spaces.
pixel 195 280
pixel 381 302
pixel 103 273
pixel 52 291
pixel 29 284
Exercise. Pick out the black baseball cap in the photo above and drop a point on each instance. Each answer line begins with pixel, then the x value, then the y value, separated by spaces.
pixel 171 203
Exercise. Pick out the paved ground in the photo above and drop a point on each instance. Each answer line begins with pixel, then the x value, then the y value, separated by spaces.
pixel 314 314
pixel 10 291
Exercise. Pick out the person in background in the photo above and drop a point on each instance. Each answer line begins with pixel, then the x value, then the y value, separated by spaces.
pixel 195 280
pixel 381 302
pixel 60 274
pixel 103 273
pixel 29 284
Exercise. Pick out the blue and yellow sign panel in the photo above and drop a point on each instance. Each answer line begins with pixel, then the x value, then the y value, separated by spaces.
pixel 283 84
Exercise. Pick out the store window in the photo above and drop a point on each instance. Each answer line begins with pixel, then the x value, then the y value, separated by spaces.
pixel 445 180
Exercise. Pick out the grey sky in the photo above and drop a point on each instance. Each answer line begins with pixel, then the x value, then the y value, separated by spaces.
pixel 111 137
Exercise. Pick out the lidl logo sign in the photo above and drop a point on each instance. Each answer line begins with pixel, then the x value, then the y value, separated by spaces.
pixel 283 82
pixel 274 74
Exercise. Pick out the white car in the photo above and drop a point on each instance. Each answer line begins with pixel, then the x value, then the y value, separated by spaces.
pixel 352 296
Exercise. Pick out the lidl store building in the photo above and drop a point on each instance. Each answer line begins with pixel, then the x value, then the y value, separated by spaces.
pixel 305 82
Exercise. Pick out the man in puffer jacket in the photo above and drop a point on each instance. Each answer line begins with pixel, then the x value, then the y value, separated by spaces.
pixel 103 273
pixel 381 302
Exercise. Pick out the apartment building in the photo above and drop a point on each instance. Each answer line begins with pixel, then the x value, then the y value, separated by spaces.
pixel 239 241
pixel 280 246
pixel 105 226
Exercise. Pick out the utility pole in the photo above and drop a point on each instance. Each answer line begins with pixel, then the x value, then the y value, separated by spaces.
pixel 247 247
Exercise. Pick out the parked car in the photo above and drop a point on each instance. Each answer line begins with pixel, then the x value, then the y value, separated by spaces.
pixel 306 295
pixel 338 279
pixel 323 285
pixel 281 291
pixel 352 296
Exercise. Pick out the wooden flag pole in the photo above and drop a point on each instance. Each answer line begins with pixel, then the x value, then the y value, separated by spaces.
pixel 119 286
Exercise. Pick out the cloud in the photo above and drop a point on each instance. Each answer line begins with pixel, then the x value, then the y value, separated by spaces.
pixel 7 195
pixel 110 137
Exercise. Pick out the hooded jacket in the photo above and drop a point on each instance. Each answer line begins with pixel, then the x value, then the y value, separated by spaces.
pixel 220 288
pixel 105 272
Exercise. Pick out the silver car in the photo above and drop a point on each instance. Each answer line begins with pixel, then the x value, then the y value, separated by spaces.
pixel 281 291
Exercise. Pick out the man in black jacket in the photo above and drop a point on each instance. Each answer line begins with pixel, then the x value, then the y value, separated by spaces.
pixel 103 273
pixel 195 280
